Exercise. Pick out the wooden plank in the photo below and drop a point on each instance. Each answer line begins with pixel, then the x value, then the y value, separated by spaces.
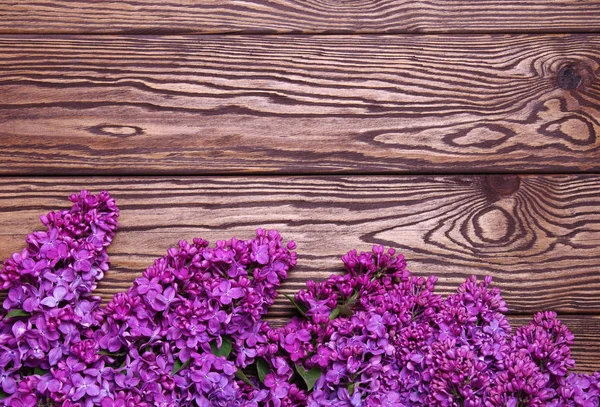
pixel 288 104
pixel 294 16
pixel 538 236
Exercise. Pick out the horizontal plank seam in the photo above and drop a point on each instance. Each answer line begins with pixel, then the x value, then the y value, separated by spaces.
pixel 582 314
pixel 272 174
pixel 166 33
pixel 161 33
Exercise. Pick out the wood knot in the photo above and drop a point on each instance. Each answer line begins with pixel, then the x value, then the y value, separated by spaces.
pixel 502 185
pixel 116 130
pixel 494 225
pixel 574 76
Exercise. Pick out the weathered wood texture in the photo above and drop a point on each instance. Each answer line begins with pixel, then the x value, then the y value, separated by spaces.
pixel 538 236
pixel 298 16
pixel 293 104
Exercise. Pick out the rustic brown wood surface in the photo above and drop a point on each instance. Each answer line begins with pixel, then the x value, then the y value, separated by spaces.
pixel 537 235
pixel 298 16
pixel 296 104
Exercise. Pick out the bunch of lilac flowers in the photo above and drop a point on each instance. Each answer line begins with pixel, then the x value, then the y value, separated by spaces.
pixel 182 335
pixel 191 330
pixel 379 336
pixel 50 313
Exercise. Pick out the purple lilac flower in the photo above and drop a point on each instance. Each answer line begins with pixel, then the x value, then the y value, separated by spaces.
pixel 187 304
pixel 53 302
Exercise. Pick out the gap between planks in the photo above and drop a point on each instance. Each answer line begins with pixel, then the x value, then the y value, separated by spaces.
pixel 284 16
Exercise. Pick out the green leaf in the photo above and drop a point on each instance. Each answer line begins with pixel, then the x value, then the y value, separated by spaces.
pixel 300 307
pixel 225 348
pixel 345 310
pixel 179 366
pixel 351 388
pixel 340 309
pixel 262 368
pixel 40 371
pixel 310 377
pixel 17 313
pixel 3 395
pixel 111 354
pixel 242 376
pixel 350 301
pixel 334 313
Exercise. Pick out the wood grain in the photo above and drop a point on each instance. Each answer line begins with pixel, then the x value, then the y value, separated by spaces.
pixel 293 104
pixel 298 16
pixel 538 236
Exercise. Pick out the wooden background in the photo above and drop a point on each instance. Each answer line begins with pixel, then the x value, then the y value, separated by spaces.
pixel 465 133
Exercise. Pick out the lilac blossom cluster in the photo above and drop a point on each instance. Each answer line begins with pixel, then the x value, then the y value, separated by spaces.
pixel 191 331
pixel 379 336
pixel 50 313
pixel 181 335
